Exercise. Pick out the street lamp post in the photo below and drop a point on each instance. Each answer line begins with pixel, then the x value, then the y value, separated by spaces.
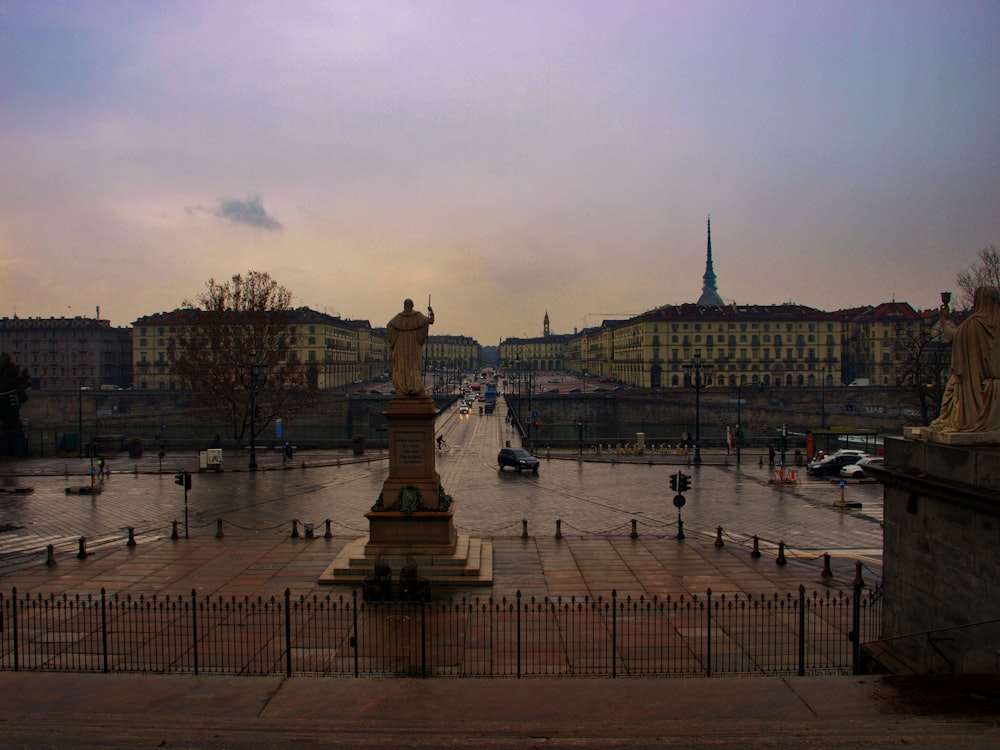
pixel 822 391
pixel 253 376
pixel 739 421
pixel 697 383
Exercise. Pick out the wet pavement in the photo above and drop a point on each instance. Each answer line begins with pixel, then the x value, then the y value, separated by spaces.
pixel 594 499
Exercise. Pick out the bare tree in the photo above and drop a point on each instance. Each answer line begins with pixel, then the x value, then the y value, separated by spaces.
pixel 926 359
pixel 15 383
pixel 984 272
pixel 238 323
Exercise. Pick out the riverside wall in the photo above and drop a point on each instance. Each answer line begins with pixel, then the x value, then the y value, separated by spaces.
pixel 54 419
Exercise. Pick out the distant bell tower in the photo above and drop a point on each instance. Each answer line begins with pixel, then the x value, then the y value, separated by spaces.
pixel 709 293
pixel 545 325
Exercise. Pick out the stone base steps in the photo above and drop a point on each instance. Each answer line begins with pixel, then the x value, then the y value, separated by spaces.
pixel 471 563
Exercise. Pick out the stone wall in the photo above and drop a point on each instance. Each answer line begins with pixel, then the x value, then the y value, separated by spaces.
pixel 609 416
pixel 664 415
pixel 942 557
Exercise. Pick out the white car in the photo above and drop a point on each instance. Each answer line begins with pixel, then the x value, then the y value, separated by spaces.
pixel 857 471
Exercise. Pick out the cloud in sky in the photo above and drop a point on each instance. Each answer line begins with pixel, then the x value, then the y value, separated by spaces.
pixel 250 212
pixel 509 158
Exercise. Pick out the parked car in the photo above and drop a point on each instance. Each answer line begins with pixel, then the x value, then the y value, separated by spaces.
pixel 857 471
pixel 518 458
pixel 830 466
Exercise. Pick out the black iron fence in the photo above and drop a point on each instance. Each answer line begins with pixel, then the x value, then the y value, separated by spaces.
pixel 781 634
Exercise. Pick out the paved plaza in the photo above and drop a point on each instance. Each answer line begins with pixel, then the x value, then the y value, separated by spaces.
pixel 594 502
pixel 594 499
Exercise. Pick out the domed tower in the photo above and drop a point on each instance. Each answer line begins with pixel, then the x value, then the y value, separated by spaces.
pixel 709 293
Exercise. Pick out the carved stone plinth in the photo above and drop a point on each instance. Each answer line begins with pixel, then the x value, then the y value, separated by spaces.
pixel 413 519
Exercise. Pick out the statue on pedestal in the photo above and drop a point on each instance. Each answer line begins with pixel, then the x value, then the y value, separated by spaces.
pixel 407 335
pixel 971 400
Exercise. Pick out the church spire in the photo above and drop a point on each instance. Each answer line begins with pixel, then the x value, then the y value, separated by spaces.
pixel 545 325
pixel 709 292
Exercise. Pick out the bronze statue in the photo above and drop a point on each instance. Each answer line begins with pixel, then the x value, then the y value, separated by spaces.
pixel 407 336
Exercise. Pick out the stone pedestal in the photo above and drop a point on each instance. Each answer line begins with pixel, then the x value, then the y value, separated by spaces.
pixel 413 519
pixel 941 572
pixel 413 510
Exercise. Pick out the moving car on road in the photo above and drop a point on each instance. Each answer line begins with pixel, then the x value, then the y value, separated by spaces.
pixel 518 458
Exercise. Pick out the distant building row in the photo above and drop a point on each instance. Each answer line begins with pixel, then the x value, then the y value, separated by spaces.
pixel 772 345
pixel 72 353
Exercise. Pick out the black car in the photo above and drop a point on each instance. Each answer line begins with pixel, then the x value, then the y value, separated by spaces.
pixel 518 458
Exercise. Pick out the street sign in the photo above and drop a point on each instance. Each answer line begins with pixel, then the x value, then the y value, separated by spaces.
pixel 679 501
pixel 279 427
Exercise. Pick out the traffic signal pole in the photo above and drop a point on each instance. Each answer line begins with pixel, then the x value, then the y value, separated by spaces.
pixel 184 480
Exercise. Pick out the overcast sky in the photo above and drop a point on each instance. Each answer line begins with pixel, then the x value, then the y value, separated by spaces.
pixel 507 157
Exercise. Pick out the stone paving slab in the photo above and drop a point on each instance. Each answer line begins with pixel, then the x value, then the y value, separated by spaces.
pixel 127 711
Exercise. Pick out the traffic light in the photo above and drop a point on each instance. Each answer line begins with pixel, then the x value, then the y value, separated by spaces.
pixel 683 482
pixel 14 400
pixel 183 479
pixel 673 481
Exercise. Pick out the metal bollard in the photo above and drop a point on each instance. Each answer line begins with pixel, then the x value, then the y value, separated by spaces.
pixel 635 533
pixel 781 554
pixel 755 552
pixel 858 581
pixel 827 573
pixel 524 528
pixel 83 548
pixel 50 555
pixel 559 529
pixel 718 538
pixel 328 534
pixel 310 531
pixel 218 529
pixel 295 528
pixel 173 534
pixel 131 537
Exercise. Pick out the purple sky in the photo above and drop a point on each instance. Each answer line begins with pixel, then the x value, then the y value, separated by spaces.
pixel 509 158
